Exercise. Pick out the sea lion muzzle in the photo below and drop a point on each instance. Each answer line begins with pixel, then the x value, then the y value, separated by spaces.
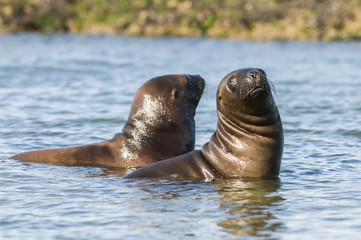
pixel 255 84
pixel 196 81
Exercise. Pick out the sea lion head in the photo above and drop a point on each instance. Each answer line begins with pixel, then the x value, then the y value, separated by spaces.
pixel 162 115
pixel 246 91
pixel 167 95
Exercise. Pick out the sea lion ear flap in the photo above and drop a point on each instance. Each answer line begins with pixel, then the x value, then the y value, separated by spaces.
pixel 175 93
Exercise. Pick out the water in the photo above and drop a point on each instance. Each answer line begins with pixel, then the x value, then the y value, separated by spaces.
pixel 66 90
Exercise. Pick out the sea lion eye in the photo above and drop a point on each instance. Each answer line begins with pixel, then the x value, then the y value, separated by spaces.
pixel 232 84
pixel 175 93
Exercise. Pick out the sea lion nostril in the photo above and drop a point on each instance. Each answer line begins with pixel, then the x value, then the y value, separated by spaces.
pixel 262 72
pixel 255 74
pixel 257 77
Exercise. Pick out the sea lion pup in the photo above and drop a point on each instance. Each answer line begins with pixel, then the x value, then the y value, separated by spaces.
pixel 248 141
pixel 160 125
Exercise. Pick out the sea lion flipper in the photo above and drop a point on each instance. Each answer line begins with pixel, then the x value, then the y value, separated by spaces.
pixel 187 166
pixel 51 156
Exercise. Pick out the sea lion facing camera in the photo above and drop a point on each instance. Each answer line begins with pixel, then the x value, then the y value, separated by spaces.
pixel 160 125
pixel 248 141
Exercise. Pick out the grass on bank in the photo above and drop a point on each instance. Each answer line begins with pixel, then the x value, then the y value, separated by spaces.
pixel 241 19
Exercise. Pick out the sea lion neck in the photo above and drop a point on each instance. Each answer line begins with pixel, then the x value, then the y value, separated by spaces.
pixel 142 124
pixel 248 147
pixel 151 120
pixel 262 125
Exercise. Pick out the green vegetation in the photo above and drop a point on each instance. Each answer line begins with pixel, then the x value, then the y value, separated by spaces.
pixel 234 19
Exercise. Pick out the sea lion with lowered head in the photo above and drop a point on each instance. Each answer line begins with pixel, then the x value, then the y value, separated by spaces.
pixel 160 125
pixel 248 141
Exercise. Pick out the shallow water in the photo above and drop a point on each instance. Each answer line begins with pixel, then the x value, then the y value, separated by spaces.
pixel 67 90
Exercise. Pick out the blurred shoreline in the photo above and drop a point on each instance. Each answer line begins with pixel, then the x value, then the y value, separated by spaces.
pixel 325 20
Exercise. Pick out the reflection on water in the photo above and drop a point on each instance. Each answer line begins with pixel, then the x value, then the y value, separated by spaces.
pixel 251 205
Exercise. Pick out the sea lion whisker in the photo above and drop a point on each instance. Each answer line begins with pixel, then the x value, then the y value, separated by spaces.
pixel 246 93
pixel 271 86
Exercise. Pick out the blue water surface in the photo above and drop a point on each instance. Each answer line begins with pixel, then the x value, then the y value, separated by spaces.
pixel 66 90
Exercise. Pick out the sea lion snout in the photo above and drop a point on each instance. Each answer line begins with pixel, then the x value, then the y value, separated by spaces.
pixel 257 77
pixel 256 84
pixel 199 82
